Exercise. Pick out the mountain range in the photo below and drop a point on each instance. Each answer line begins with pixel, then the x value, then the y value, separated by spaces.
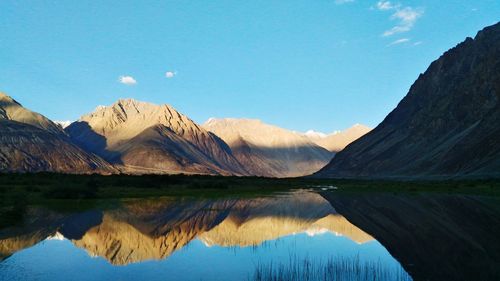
pixel 448 125
pixel 135 137
pixel 147 138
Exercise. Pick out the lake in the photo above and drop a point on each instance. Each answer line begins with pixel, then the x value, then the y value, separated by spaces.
pixel 294 235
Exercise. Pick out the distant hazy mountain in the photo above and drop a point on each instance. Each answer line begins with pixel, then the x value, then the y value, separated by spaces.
pixel 267 150
pixel 338 140
pixel 29 142
pixel 447 125
pixel 148 138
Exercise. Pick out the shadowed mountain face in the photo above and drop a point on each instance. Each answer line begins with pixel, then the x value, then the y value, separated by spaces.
pixel 29 142
pixel 434 237
pixel 447 125
pixel 148 138
pixel 266 150
pixel 153 230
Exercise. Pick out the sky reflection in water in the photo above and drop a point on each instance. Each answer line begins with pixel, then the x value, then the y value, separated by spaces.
pixel 194 240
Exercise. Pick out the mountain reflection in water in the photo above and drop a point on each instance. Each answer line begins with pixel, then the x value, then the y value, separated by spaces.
pixel 234 238
pixel 434 236
pixel 153 229
pixel 183 239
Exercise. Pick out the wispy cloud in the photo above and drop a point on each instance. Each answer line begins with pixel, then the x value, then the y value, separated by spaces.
pixel 170 74
pixel 385 5
pixel 417 43
pixel 340 2
pixel 400 41
pixel 127 80
pixel 406 16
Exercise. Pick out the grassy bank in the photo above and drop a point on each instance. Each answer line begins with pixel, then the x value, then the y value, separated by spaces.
pixel 79 191
pixel 59 186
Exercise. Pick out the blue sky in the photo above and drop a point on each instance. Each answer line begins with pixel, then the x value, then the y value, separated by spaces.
pixel 315 64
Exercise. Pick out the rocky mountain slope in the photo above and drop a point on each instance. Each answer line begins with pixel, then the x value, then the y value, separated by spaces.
pixel 267 150
pixel 148 138
pixel 29 142
pixel 337 141
pixel 447 126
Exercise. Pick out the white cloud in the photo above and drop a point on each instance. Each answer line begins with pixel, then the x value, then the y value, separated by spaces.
pixel 406 16
pixel 417 43
pixel 400 41
pixel 170 74
pixel 315 135
pixel 397 29
pixel 127 80
pixel 340 2
pixel 385 5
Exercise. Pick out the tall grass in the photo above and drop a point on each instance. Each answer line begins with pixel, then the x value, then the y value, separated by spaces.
pixel 333 269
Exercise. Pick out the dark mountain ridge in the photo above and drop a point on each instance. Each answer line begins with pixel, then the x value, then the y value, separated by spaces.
pixel 448 125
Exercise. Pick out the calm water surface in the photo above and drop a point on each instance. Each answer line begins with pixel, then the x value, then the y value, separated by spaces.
pixel 191 239
pixel 290 235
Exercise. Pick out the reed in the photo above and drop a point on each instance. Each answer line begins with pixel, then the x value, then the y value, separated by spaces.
pixel 332 269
